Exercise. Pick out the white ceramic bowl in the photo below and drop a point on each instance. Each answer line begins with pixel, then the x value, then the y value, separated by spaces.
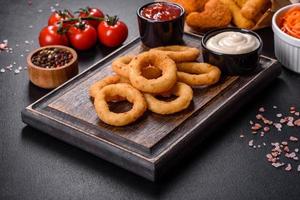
pixel 287 48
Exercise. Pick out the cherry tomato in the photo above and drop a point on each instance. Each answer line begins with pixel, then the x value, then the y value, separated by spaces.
pixel 112 32
pixel 82 36
pixel 50 35
pixel 91 12
pixel 58 16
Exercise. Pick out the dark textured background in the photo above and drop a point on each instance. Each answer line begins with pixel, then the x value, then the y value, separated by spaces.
pixel 36 166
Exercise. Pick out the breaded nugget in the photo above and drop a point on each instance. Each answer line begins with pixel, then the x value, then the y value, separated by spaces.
pixel 215 15
pixel 240 3
pixel 238 19
pixel 253 7
pixel 191 5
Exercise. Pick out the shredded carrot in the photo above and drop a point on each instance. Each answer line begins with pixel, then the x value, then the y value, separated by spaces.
pixel 291 22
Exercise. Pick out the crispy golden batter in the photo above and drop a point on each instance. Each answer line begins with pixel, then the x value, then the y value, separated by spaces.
pixel 123 90
pixel 240 3
pixel 184 95
pixel 215 15
pixel 178 53
pixel 161 84
pixel 238 19
pixel 191 5
pixel 198 74
pixel 253 7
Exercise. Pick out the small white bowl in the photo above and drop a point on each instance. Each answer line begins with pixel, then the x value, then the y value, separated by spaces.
pixel 287 48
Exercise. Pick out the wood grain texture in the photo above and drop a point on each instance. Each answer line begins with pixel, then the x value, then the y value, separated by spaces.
pixel 153 141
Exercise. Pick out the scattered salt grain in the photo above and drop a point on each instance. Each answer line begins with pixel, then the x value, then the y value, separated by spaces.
pixel 57 4
pixel 26 42
pixel 293 139
pixel 16 71
pixel 277 164
pixel 296 150
pixel 26 50
pixel 279 115
pixel 30 26
pixel 278 126
pixel 22 55
pixel 241 136
pixel 20 68
pixel 40 10
pixel 251 122
pixel 250 143
pixel 297 122
pixel 274 107
pixel 266 129
pixel 288 167
pixel 297 113
pixel 2 70
pixel 261 109
pixel 298 168
pixel 264 144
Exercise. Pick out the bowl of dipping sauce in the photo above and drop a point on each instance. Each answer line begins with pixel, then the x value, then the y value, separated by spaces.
pixel 161 23
pixel 236 51
pixel 286 28
pixel 51 66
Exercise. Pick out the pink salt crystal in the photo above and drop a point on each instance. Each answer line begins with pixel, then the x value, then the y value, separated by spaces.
pixel 293 139
pixel 298 168
pixel 3 46
pixel 250 143
pixel 297 122
pixel 286 149
pixel 284 143
pixel 277 164
pixel 292 108
pixel 288 167
pixel 297 113
pixel 266 128
pixel 259 116
pixel 282 121
pixel 261 109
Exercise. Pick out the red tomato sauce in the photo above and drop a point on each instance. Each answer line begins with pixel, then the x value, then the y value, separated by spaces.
pixel 161 12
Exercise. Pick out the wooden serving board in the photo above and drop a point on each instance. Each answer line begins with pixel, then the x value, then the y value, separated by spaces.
pixel 148 146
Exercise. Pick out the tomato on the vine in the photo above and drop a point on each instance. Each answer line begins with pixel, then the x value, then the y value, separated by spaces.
pixel 52 35
pixel 91 12
pixel 112 32
pixel 59 16
pixel 82 36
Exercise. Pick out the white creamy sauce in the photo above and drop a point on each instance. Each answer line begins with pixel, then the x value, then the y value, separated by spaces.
pixel 233 42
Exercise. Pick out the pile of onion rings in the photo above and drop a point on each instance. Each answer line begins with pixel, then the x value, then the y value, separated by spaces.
pixel 140 79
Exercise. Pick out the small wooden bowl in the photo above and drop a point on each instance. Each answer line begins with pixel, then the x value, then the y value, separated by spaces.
pixel 52 78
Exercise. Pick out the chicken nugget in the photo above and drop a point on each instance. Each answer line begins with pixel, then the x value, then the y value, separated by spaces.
pixel 191 5
pixel 253 7
pixel 238 19
pixel 215 15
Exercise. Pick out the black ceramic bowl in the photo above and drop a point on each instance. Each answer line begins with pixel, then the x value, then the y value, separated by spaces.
pixel 159 33
pixel 232 64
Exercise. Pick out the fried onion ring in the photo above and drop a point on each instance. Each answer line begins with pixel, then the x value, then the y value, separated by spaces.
pixel 161 84
pixel 198 74
pixel 184 95
pixel 179 53
pixel 96 87
pixel 123 90
pixel 121 65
